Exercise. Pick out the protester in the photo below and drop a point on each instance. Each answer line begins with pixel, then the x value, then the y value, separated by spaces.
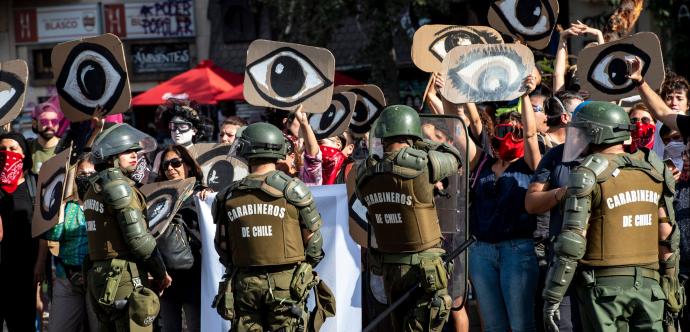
pixel 229 127
pixel 302 160
pixel 71 310
pixel 45 123
pixel 560 68
pixel 19 251
pixel 559 110
pixel 181 118
pixel 502 263
pixel 335 152
pixel 184 294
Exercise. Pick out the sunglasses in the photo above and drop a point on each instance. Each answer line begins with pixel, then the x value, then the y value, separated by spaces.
pixel 537 108
pixel 644 120
pixel 49 122
pixel 502 130
pixel 175 163
pixel 182 127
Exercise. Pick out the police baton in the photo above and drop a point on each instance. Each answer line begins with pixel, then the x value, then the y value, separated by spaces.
pixel 407 294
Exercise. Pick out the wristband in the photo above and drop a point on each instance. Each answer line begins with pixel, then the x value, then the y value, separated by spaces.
pixel 637 83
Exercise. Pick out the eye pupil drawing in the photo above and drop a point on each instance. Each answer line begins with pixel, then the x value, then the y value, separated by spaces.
pixel 327 118
pixel 529 12
pixel 617 70
pixel 287 76
pixel 92 79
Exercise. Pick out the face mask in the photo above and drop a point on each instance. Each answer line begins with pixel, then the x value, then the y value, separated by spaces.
pixel 642 136
pixel 12 164
pixel 506 144
pixel 83 184
pixel 332 161
pixel 140 172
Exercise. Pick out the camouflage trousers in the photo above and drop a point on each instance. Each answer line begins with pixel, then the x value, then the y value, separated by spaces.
pixel 111 318
pixel 263 301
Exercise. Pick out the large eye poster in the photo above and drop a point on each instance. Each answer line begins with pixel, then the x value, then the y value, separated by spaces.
pixel 602 69
pixel 52 181
pixel 370 102
pixel 530 21
pixel 481 73
pixel 13 79
pixel 91 72
pixel 285 75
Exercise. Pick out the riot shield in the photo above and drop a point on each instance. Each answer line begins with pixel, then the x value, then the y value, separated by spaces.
pixel 163 199
pixel 219 166
pixel 450 194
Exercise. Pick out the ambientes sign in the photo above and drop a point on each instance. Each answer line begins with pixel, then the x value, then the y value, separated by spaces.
pixel 56 24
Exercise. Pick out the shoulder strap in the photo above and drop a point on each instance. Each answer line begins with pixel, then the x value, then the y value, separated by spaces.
pixel 475 175
pixel 31 185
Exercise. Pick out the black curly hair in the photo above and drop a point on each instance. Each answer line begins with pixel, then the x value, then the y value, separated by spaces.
pixel 186 109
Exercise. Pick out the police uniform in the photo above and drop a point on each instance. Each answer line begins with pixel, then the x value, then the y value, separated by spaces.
pixel 398 192
pixel 261 220
pixel 121 251
pixel 609 245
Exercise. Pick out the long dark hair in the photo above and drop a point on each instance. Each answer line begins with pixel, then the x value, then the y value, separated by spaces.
pixel 181 151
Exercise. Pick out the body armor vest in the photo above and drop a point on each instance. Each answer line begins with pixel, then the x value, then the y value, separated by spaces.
pixel 624 223
pixel 400 207
pixel 262 229
pixel 103 231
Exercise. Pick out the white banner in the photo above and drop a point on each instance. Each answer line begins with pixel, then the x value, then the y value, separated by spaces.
pixel 340 269
pixel 56 23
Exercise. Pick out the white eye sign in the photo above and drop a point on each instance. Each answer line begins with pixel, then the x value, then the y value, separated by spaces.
pixel 531 21
pixel 481 73
pixel 13 79
pixel 285 75
pixel 90 73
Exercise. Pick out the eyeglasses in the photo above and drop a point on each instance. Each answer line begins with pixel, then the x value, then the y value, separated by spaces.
pixel 644 120
pixel 502 130
pixel 182 127
pixel 175 163
pixel 49 122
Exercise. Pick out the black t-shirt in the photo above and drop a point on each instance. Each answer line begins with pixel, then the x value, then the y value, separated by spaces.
pixel 683 123
pixel 19 249
pixel 554 172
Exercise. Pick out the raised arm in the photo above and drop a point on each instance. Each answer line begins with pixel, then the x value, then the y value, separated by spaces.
pixel 311 147
pixel 652 100
pixel 529 125
pixel 560 62
pixel 461 143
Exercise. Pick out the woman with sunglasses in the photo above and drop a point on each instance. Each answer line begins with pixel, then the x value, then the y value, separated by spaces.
pixel 184 294
pixel 502 263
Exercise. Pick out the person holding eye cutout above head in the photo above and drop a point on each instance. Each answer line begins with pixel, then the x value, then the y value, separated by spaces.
pixel 502 263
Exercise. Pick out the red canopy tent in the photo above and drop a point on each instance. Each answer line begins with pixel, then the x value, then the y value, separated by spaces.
pixel 201 84
pixel 237 92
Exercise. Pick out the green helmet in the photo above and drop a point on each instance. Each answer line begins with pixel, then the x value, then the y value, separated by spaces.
pixel 398 120
pixel 595 122
pixel 261 140
pixel 119 138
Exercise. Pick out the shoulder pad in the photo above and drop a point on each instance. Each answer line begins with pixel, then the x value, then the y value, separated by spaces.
pixel 429 145
pixel 654 160
pixel 581 181
pixel 116 188
pixel 597 164
pixel 412 158
pixel 298 194
pixel 274 184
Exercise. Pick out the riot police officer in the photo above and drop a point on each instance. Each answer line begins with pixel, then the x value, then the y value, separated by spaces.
pixel 398 192
pixel 268 238
pixel 121 250
pixel 619 243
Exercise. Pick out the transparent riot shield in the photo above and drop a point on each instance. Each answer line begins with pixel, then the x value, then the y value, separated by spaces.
pixel 450 194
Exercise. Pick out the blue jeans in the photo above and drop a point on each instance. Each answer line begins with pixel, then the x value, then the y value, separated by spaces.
pixel 504 278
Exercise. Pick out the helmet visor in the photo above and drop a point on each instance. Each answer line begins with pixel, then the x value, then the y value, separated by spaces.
pixel 576 143
pixel 123 138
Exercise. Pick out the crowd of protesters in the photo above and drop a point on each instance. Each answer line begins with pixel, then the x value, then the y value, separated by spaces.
pixel 518 181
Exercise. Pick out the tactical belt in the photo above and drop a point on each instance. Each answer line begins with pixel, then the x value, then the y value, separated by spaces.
pixel 629 271
pixel 267 268
pixel 412 258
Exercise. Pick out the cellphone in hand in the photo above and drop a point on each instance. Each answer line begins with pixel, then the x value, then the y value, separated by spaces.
pixel 629 62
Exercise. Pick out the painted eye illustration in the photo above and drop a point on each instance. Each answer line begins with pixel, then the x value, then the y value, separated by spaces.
pixel 367 110
pixel 608 71
pixel 160 206
pixel 12 89
pixel 358 212
pixel 51 195
pixel 453 36
pixel 336 118
pixel 285 77
pixel 91 76
pixel 530 19
pixel 487 74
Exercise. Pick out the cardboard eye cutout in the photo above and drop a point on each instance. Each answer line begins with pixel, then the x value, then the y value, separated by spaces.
pixel 91 72
pixel 337 117
pixel 481 73
pixel 49 204
pixel 531 21
pixel 370 103
pixel 285 75
pixel 431 43
pixel 219 167
pixel 163 199
pixel 602 69
pixel 13 79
